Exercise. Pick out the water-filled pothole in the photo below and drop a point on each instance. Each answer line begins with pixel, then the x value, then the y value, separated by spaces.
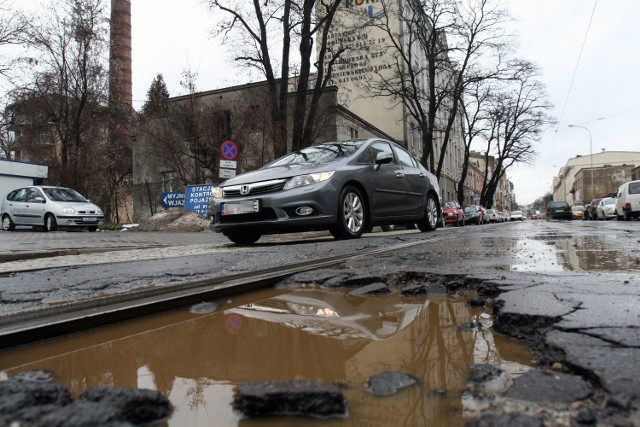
pixel 315 333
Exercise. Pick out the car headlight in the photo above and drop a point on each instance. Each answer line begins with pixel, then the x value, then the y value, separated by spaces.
pixel 216 192
pixel 69 211
pixel 312 178
pixel 99 211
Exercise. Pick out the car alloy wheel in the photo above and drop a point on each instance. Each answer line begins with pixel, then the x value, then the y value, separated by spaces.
pixel 351 211
pixel 50 223
pixel 7 224
pixel 430 221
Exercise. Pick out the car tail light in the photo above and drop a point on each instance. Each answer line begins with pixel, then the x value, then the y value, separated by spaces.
pixel 548 212
pixel 627 205
pixel 570 211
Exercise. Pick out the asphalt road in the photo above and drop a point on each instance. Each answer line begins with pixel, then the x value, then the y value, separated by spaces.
pixel 569 288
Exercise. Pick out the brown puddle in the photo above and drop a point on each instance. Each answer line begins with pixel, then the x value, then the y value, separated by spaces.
pixel 197 360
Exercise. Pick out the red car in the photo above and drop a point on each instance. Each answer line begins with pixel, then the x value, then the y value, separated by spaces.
pixel 452 213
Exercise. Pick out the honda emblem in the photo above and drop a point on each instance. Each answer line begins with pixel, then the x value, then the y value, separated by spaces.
pixel 244 190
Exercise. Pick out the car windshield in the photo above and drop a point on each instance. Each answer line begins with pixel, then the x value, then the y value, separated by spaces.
pixel 577 208
pixel 469 209
pixel 609 201
pixel 319 153
pixel 60 194
pixel 516 213
pixel 450 205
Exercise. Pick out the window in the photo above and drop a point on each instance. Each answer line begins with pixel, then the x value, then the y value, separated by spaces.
pixel 169 181
pixel 370 155
pixel 354 133
pixel 404 158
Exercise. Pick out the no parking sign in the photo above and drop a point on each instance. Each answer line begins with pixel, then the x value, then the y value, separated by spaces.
pixel 229 150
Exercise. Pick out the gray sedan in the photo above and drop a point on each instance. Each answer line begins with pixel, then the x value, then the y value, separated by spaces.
pixel 344 187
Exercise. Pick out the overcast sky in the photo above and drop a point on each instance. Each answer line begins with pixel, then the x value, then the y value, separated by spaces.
pixel 597 89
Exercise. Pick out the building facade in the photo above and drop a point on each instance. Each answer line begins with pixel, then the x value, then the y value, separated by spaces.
pixel 584 178
pixel 182 147
pixel 369 35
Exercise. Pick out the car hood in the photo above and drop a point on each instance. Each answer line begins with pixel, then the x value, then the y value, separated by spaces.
pixel 279 172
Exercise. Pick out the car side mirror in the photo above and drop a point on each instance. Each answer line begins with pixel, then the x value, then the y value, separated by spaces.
pixel 39 200
pixel 384 158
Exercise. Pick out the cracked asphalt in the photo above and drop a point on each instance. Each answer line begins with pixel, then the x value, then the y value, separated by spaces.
pixel 570 289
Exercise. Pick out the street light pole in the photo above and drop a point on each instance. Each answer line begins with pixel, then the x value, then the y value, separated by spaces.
pixel 591 155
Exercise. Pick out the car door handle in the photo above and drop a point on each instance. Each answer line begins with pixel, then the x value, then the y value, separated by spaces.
pixel 422 175
pixel 399 175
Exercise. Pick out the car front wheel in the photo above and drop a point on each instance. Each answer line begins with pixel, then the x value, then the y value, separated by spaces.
pixel 430 221
pixel 351 215
pixel 7 224
pixel 50 223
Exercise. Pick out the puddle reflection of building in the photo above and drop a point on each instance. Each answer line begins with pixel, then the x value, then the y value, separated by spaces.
pixel 590 254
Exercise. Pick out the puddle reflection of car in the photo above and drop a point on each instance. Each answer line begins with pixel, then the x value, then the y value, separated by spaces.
pixel 49 207
pixel 344 187
pixel 559 209
pixel 334 314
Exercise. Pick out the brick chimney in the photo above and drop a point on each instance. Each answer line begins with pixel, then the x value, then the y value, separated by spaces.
pixel 120 90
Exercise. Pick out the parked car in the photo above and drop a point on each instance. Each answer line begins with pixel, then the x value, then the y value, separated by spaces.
pixel 453 213
pixel 590 210
pixel 49 207
pixel 606 208
pixel 516 216
pixel 473 215
pixel 628 200
pixel 578 211
pixel 345 187
pixel 559 209
pixel 483 211
pixel 492 215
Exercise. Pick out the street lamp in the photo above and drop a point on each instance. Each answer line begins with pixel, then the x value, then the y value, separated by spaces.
pixel 591 155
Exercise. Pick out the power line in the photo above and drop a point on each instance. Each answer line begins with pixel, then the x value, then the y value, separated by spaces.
pixel 573 78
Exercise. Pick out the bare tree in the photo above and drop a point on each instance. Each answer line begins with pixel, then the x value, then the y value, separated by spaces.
pixel 435 50
pixel 474 111
pixel 67 80
pixel 13 27
pixel 263 25
pixel 517 116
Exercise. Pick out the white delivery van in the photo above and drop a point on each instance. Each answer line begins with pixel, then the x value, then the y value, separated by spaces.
pixel 628 200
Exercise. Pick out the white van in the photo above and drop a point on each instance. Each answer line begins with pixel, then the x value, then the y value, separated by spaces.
pixel 628 200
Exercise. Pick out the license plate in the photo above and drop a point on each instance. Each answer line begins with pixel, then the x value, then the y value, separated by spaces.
pixel 89 219
pixel 241 207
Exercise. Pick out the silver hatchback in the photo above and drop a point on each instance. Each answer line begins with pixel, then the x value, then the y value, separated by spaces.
pixel 50 208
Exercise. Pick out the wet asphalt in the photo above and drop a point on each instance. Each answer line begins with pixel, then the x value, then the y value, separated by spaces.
pixel 571 289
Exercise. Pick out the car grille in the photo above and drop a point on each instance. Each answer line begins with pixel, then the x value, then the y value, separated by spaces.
pixel 87 212
pixel 255 188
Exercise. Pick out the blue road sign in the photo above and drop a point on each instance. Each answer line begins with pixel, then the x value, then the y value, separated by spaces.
pixel 197 198
pixel 174 199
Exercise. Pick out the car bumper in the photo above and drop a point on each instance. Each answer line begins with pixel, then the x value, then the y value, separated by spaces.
pixel 278 212
pixel 79 221
pixel 561 215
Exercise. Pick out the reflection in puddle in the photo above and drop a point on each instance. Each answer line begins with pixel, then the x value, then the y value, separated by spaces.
pixel 561 252
pixel 197 360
